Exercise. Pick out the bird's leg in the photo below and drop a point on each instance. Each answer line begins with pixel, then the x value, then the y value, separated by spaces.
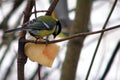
pixel 47 40
pixel 36 40
pixel 38 37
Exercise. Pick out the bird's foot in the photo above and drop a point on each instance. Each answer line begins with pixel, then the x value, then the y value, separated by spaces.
pixel 47 41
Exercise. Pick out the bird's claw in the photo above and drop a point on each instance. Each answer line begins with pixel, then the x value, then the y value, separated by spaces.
pixel 46 41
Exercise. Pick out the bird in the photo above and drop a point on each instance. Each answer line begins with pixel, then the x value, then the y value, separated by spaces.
pixel 40 27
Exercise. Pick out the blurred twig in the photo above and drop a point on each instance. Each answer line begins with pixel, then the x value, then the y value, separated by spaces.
pixel 10 67
pixel 34 74
pixel 3 25
pixel 99 41
pixel 7 40
pixel 5 53
pixel 16 4
pixel 110 61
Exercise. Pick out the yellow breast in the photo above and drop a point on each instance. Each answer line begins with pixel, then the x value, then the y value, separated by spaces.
pixel 43 33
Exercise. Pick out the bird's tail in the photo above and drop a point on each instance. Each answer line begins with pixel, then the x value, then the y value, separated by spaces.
pixel 14 30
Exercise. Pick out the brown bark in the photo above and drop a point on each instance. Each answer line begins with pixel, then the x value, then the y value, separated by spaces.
pixel 21 60
pixel 80 24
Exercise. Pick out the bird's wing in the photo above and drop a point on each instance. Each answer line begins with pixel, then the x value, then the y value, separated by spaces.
pixel 40 25
pixel 45 23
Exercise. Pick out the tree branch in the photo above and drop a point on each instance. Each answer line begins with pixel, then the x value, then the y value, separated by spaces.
pixel 21 59
pixel 52 7
pixel 73 36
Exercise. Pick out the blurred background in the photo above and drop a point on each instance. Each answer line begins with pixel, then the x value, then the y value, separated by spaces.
pixel 11 16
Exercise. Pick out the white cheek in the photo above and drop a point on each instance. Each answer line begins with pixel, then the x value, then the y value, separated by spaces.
pixel 28 36
pixel 50 37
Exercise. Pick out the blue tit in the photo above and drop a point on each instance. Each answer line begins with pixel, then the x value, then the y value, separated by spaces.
pixel 41 27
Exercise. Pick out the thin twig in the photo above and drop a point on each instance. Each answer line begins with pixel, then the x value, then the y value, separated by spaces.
pixel 104 26
pixel 39 11
pixel 39 69
pixel 35 9
pixel 73 36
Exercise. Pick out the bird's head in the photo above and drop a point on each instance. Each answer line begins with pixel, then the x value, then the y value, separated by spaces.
pixel 58 28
